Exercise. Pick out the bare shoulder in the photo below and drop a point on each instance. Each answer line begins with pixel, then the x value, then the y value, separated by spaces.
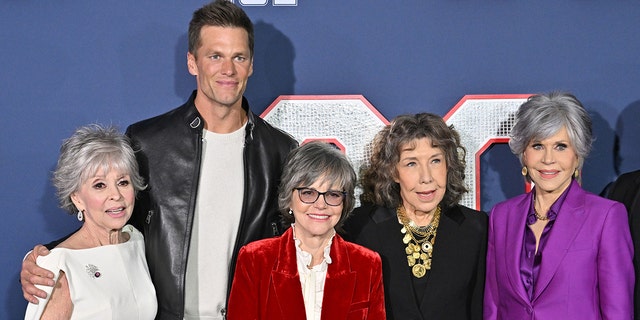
pixel 73 242
pixel 59 305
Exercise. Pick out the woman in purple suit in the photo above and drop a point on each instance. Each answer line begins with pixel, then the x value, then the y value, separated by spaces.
pixel 557 252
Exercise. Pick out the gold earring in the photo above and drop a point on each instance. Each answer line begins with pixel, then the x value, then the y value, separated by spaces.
pixel 524 171
pixel 576 173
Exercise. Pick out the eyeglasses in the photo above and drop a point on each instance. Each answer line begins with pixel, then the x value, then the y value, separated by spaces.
pixel 331 197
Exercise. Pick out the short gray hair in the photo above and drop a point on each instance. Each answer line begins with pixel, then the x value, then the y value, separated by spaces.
pixel 310 162
pixel 543 115
pixel 89 149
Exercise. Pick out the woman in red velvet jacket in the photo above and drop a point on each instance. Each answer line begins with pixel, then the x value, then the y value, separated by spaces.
pixel 310 272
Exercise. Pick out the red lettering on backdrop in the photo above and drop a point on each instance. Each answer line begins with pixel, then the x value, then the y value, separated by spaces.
pixel 350 122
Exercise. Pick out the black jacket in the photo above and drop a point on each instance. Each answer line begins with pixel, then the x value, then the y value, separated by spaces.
pixel 626 189
pixel 169 150
pixel 453 289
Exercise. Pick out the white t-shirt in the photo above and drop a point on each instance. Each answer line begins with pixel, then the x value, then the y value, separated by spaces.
pixel 215 225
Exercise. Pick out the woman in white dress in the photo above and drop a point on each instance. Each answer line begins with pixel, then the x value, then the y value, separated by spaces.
pixel 100 270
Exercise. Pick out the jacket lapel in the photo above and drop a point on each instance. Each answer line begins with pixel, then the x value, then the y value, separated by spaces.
pixel 516 222
pixel 401 295
pixel 569 222
pixel 440 274
pixel 340 283
pixel 285 280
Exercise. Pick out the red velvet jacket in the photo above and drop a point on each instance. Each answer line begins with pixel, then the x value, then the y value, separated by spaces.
pixel 266 284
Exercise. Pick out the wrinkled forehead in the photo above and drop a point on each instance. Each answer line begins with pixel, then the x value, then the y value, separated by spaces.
pixel 414 144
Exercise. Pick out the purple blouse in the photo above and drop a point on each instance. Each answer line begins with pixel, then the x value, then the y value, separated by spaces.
pixel 530 260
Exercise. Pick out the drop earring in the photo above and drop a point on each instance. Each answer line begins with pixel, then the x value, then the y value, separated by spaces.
pixel 80 215
pixel 524 171
pixel 290 212
pixel 576 173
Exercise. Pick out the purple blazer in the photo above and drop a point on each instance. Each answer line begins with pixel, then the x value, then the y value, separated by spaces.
pixel 587 266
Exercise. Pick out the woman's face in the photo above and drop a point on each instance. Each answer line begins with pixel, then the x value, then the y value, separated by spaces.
pixel 551 162
pixel 316 219
pixel 107 200
pixel 422 176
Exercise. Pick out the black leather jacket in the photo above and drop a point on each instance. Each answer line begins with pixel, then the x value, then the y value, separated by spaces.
pixel 169 153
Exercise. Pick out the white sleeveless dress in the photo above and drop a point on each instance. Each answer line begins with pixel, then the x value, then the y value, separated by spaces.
pixel 107 282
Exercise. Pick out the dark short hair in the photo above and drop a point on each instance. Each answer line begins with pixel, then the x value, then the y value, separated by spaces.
pixel 543 115
pixel 378 178
pixel 219 13
pixel 310 162
pixel 89 149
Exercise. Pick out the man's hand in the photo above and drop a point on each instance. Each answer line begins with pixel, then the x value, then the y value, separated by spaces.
pixel 31 274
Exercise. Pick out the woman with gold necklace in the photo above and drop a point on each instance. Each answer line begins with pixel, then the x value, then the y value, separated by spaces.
pixel 558 251
pixel 432 248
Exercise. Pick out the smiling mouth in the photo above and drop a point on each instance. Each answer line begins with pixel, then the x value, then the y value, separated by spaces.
pixel 115 211
pixel 227 83
pixel 318 216
pixel 548 173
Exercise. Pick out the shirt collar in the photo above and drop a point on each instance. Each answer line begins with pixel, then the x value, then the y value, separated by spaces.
pixel 306 256
pixel 555 207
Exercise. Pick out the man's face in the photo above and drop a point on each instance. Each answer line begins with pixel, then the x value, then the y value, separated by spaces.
pixel 222 65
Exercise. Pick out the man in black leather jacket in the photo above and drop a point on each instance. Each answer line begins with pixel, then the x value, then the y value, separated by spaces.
pixel 170 152
pixel 171 147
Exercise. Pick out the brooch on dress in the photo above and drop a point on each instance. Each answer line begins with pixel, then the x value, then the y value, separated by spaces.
pixel 93 271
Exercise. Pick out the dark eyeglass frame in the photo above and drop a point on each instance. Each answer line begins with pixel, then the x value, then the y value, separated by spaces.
pixel 318 194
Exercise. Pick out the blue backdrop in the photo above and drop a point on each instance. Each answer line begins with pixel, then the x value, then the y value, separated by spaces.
pixel 69 63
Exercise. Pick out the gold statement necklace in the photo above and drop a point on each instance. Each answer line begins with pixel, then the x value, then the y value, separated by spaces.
pixel 419 241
